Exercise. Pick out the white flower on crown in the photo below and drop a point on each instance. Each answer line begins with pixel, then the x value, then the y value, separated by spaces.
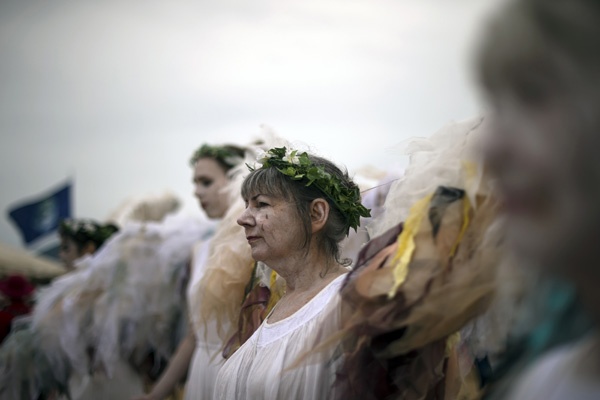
pixel 291 157
pixel 89 227
pixel 263 156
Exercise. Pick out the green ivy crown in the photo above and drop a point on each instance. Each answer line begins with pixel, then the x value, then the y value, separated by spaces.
pixel 87 229
pixel 225 154
pixel 298 167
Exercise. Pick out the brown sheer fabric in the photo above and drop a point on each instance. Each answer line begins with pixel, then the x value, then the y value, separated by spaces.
pixel 405 346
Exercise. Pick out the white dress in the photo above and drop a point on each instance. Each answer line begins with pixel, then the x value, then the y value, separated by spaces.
pixel 260 369
pixel 207 359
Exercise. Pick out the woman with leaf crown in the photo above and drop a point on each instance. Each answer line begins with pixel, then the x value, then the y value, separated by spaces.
pixel 229 293
pixel 214 167
pixel 389 328
pixel 298 208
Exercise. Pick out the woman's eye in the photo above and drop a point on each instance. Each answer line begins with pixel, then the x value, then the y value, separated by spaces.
pixel 206 183
pixel 262 204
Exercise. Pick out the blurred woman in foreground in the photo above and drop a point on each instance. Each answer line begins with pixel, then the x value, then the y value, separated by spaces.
pixel 540 67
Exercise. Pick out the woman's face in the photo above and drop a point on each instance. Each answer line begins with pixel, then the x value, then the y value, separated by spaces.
pixel 209 180
pixel 69 252
pixel 536 152
pixel 273 228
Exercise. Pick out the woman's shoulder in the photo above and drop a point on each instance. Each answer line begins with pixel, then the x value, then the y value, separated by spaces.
pixel 330 290
pixel 317 304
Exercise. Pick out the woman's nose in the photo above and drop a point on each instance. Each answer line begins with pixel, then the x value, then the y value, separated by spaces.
pixel 198 192
pixel 245 219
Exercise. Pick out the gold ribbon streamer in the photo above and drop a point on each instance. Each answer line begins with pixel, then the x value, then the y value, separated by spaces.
pixel 406 243
pixel 406 240
pixel 276 293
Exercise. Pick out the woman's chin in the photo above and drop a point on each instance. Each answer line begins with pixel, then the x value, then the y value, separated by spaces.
pixel 257 255
pixel 210 214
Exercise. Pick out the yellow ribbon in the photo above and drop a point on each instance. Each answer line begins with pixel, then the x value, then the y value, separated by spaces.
pixel 275 294
pixel 406 243
pixel 406 240
pixel 451 342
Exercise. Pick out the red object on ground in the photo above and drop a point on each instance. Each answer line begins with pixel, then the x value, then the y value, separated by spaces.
pixel 16 288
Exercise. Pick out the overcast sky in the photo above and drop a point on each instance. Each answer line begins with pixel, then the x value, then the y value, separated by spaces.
pixel 118 94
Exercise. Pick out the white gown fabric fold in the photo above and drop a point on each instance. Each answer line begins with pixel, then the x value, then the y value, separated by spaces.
pixel 207 358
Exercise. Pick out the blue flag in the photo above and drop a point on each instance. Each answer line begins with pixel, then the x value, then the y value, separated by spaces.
pixel 38 217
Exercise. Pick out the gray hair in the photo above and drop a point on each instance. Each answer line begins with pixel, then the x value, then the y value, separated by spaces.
pixel 534 47
pixel 548 38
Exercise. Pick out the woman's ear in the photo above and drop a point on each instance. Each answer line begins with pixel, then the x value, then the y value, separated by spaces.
pixel 319 212
pixel 88 248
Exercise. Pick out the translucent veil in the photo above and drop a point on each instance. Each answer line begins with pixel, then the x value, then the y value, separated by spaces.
pixel 449 157
pixel 429 271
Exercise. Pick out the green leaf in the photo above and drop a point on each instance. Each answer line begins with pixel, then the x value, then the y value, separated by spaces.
pixel 345 198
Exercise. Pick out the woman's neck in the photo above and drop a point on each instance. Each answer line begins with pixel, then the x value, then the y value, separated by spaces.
pixel 303 271
pixel 305 274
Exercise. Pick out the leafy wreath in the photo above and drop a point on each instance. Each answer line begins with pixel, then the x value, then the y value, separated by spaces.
pixel 87 229
pixel 298 167
pixel 223 153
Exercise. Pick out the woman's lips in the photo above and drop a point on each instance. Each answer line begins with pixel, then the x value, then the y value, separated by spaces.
pixel 252 239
